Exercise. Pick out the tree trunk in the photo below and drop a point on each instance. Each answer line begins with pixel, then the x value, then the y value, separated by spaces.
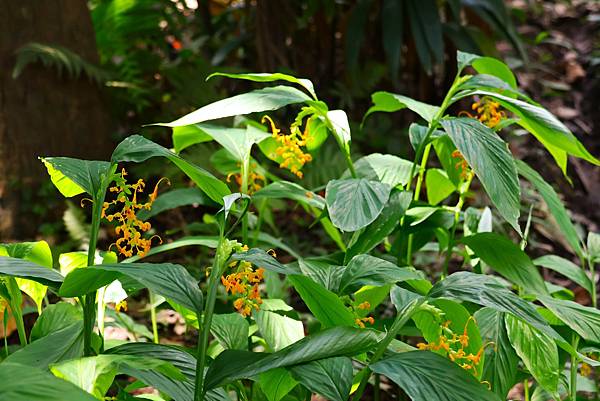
pixel 43 113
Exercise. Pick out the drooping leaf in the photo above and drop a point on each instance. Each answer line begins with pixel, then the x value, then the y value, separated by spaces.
pixel 508 259
pixel 324 304
pixel 231 330
pixel 337 341
pixel 567 269
pixel 28 383
pixel 331 377
pixel 266 99
pixel 537 351
pixel 491 161
pixel 582 319
pixel 74 176
pixel 166 279
pixel 500 365
pixel 290 190
pixel 555 205
pixel 270 77
pixel 137 149
pixel 426 376
pixel 355 203
pixel 20 268
pixel 391 102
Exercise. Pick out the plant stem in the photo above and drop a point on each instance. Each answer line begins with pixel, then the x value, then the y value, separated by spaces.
pixel 89 300
pixel 464 189
pixel 244 189
pixel 153 317
pixel 401 319
pixel 15 305
pixel 377 390
pixel 592 269
pixel 213 283
pixel 422 171
pixel 574 363
pixel 526 389
pixel 101 310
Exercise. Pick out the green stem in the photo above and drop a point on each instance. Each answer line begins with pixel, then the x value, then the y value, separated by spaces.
pixel 401 319
pixel 244 189
pixel 594 294
pixel 377 389
pixel 422 171
pixel 153 317
pixel 526 389
pixel 15 302
pixel 89 300
pixel 213 284
pixel 101 310
pixel 574 364
pixel 464 189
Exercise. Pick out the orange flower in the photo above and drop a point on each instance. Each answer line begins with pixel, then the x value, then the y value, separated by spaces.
pixel 244 282
pixel 488 112
pixel 290 147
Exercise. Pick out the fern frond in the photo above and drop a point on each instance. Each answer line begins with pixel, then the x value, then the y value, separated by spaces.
pixel 60 58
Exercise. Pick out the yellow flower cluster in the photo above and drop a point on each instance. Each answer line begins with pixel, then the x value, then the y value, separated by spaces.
pixel 453 345
pixel 245 283
pixel 488 112
pixel 130 227
pixel 290 147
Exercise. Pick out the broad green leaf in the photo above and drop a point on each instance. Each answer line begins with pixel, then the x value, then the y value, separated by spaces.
pixel 368 270
pixel 324 304
pixel 567 269
pixel 29 383
pixel 417 134
pixel 338 341
pixel 555 205
pixel 166 279
pixel 488 291
pixel 505 257
pixel 55 317
pixel 174 199
pixel 582 319
pixel 390 102
pixel 279 331
pixel 276 383
pixel 74 176
pixel 491 161
pixel 270 77
pixel 383 225
pixel 317 130
pixel 72 260
pixel 187 135
pixel 36 252
pixel 231 330
pixel 331 377
pixel 60 345
pixel 237 141
pixel 388 169
pixel 537 350
pixel 438 185
pixel 24 269
pixel 266 99
pixel 426 376
pixel 444 148
pixel 208 241
pixel 260 258
pixel 290 190
pixel 340 129
pixel 323 272
pixel 96 374
pixel 178 357
pixel 593 246
pixel 495 67
pixel 137 149
pixel 500 365
pixel 355 203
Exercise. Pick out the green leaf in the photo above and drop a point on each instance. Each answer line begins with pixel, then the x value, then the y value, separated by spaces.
pixel 338 341
pixel 28 383
pixel 74 176
pixel 500 365
pixel 21 268
pixel 324 304
pixel 388 169
pixel 72 260
pixel 55 317
pixel 392 17
pixel 426 28
pixel 438 185
pixel 487 65
pixel 270 77
pixel 593 245
pixel 322 272
pixel 174 199
pixel 365 270
pixel 505 257
pixel 279 331
pixel 208 241
pixel 555 205
pixel 231 330
pixel 567 269
pixel 390 102
pixel 188 135
pixel 355 203
pixel 137 149
pixel 237 141
pixel 491 161
pixel 537 351
pixel 276 383
pixel 266 99
pixel 426 376
pixel 582 319
pixel 331 377
pixel 290 190
pixel 166 279
pixel 383 225
pixel 260 258
pixel 96 374
pixel 340 129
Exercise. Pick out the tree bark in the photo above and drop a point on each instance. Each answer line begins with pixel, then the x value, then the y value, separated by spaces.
pixel 41 112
